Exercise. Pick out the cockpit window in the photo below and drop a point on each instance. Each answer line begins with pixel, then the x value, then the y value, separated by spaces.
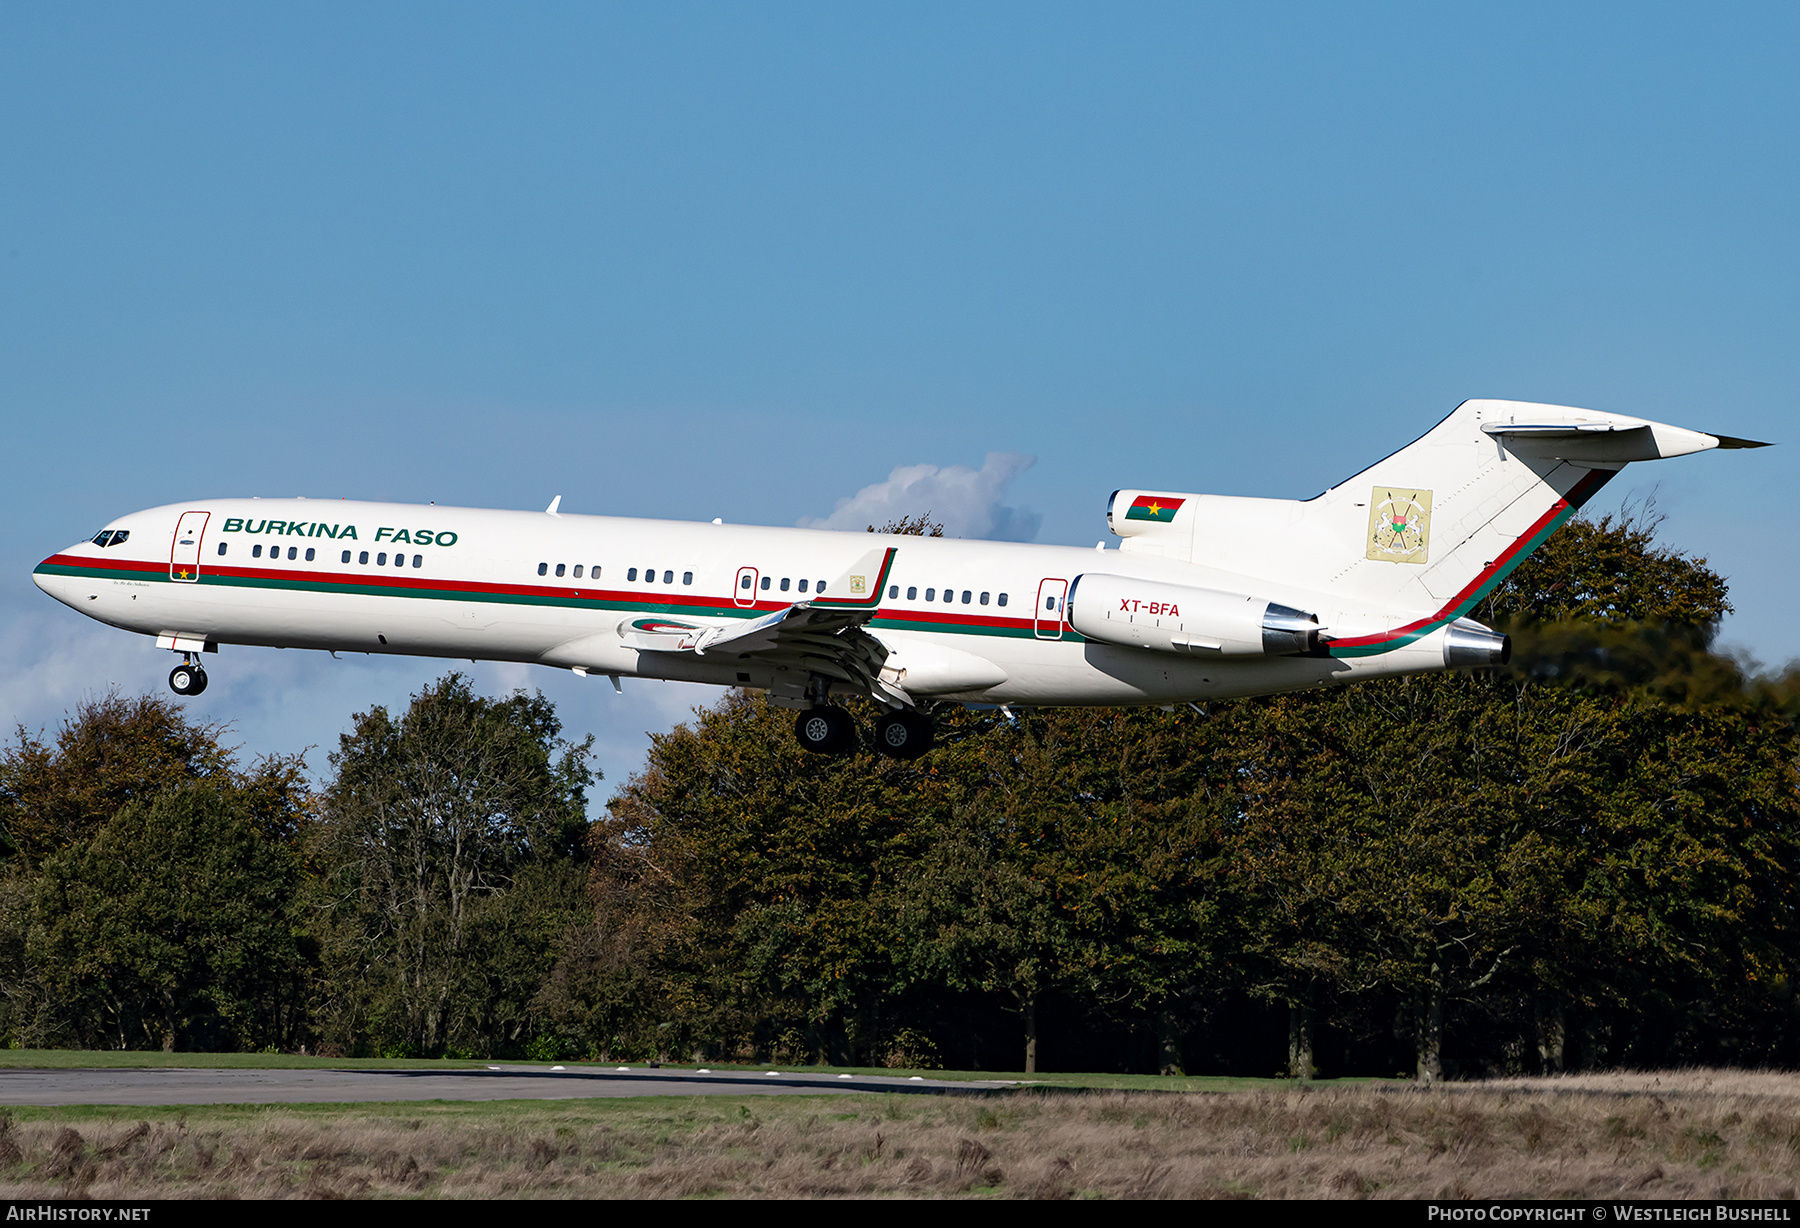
pixel 111 537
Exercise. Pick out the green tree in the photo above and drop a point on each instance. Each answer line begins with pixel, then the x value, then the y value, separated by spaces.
pixel 56 798
pixel 973 918
pixel 430 820
pixel 1478 839
pixel 761 874
pixel 171 929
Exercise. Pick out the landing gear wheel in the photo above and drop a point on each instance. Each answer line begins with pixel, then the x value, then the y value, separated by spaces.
pixel 903 735
pixel 825 731
pixel 187 680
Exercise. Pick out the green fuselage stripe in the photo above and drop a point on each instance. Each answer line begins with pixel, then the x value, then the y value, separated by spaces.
pixel 159 575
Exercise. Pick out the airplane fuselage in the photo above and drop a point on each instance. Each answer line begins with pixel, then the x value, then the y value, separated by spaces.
pixel 503 586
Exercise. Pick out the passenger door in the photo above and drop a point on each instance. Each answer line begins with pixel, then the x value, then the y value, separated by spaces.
pixel 184 556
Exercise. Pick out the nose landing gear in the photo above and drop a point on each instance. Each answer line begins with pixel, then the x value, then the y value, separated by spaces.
pixel 187 678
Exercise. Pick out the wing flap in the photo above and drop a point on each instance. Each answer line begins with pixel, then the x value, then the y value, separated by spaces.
pixel 822 636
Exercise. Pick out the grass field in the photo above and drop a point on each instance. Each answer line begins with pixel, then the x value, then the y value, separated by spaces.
pixel 1695 1134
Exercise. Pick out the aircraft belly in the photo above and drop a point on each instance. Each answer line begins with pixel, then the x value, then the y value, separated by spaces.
pixel 1068 672
pixel 359 622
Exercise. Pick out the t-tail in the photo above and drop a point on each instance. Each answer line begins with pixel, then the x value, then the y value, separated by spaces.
pixel 1422 536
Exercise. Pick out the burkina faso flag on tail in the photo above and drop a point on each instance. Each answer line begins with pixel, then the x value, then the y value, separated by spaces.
pixel 1154 507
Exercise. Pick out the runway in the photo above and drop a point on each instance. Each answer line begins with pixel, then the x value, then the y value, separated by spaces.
pixel 160 1087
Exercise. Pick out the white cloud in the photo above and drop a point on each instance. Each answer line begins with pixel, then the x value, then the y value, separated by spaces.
pixel 968 502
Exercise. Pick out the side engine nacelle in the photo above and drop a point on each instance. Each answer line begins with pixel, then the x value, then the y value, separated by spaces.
pixel 1194 621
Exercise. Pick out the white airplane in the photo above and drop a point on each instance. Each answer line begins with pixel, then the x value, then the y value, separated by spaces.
pixel 1207 596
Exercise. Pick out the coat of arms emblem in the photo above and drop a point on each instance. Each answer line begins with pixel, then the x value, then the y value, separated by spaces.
pixel 1399 525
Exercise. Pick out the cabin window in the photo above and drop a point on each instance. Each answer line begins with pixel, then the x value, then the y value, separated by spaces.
pixel 949 595
pixel 893 591
pixel 649 575
pixel 293 553
pixel 346 557
pixel 931 594
pixel 912 593
pixel 381 559
pixel 399 560
pixel 1002 598
pixel 1049 603
pixel 668 577
pixel 418 560
pixel 577 571
pixel 687 577
pixel 543 569
pixel 744 583
pixel 784 584
pixel 594 572
pixel 967 595
pixel 363 559
pixel 256 551
pixel 984 598
pixel 559 570
pixel 309 554
pixel 221 547
pixel 631 573
pixel 765 584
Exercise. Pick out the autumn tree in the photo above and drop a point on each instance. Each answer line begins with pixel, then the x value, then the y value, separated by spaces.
pixel 110 752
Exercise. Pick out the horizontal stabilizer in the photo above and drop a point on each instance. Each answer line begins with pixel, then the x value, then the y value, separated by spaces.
pixel 1585 437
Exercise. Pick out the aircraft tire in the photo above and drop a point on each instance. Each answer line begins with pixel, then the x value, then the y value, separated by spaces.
pixel 187 680
pixel 903 735
pixel 825 730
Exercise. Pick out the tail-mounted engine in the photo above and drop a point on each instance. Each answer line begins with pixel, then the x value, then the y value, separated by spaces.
pixel 1194 621
pixel 1467 642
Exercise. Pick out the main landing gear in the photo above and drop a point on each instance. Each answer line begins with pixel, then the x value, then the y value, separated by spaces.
pixel 825 731
pixel 829 730
pixel 187 678
pixel 903 735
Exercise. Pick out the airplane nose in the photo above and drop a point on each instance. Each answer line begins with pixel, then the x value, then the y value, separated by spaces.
pixel 45 576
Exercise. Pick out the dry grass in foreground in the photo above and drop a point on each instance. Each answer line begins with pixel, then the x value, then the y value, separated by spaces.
pixel 1684 1135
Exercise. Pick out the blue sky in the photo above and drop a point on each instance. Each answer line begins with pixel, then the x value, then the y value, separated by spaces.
pixel 699 260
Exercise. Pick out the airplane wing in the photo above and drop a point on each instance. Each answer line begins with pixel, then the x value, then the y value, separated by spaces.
pixel 820 636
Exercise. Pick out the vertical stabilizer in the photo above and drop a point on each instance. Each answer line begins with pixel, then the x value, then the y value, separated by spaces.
pixel 1427 531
